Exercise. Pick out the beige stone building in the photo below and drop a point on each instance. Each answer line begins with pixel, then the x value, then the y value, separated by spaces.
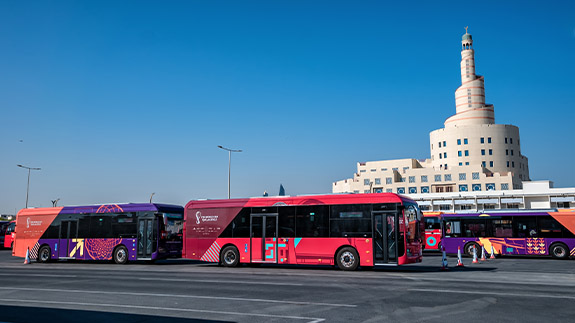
pixel 471 153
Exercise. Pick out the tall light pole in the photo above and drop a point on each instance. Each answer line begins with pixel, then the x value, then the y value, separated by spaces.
pixel 28 186
pixel 230 151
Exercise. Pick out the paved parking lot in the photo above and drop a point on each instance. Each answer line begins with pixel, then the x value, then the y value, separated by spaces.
pixel 501 290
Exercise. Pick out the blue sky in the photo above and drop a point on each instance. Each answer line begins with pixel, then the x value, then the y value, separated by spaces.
pixel 115 100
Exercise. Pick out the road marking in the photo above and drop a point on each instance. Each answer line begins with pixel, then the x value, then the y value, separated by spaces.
pixel 489 293
pixel 309 319
pixel 176 295
pixel 41 275
pixel 218 281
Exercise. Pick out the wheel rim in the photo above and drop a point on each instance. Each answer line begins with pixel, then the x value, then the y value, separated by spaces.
pixel 470 249
pixel 559 251
pixel 44 255
pixel 230 257
pixel 121 255
pixel 347 259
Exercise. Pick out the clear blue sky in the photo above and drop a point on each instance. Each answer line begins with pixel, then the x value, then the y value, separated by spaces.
pixel 115 100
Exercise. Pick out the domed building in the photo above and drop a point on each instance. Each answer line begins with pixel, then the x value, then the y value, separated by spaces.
pixel 471 153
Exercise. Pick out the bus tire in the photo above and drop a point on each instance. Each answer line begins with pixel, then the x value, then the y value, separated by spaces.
pixel 347 259
pixel 469 249
pixel 559 251
pixel 120 255
pixel 44 254
pixel 230 257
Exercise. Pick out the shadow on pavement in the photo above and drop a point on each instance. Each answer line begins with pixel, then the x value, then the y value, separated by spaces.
pixel 22 314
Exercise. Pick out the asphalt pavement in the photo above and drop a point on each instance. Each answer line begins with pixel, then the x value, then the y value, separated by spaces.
pixel 508 289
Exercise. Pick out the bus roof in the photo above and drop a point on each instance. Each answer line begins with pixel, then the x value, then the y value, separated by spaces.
pixel 372 198
pixel 103 208
pixel 500 213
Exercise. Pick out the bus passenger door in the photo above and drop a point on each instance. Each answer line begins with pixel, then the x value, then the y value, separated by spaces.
pixel 385 238
pixel 264 232
pixel 68 231
pixel 146 238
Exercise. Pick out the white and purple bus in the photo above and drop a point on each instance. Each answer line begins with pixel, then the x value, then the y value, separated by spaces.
pixel 529 232
pixel 119 232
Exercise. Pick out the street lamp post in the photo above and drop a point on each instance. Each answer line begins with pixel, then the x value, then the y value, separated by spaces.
pixel 230 151
pixel 28 186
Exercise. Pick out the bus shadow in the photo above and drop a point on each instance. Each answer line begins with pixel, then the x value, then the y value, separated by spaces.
pixel 23 314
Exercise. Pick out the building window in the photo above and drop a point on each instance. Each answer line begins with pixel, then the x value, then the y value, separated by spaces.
pixel 388 180
pixel 482 140
pixel 460 164
pixel 504 186
pixel 388 190
pixel 463 188
pixel 465 141
pixel 425 189
pixel 490 152
pixel 445 207
pixel 466 163
pixel 413 190
pixel 459 153
pixel 467 153
pixel 445 154
pixel 412 179
pixel 476 187
pixel 462 176
pixel 378 181
pixel 378 190
pixel 491 164
pixel 444 144
pixel 475 176
pixel 511 152
pixel 373 170
pixel 384 169
pixel 458 141
pixel 505 139
pixel 395 169
pixel 440 155
pixel 483 163
pixel 402 179
pixel 362 170
pixel 424 178
pixel 490 187
pixel 512 164
pixel 439 144
pixel 366 181
pixel 445 167
pixel 507 163
pixel 506 152
pixel 488 140
pixel 438 178
pixel 356 192
pixel 366 192
pixel 482 152
pixel 511 140
pixel 401 190
pixel 447 177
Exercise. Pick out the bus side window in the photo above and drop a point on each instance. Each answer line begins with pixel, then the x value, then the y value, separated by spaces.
pixel 525 226
pixel 453 229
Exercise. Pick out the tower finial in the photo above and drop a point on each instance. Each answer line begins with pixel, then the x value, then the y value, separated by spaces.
pixel 466 29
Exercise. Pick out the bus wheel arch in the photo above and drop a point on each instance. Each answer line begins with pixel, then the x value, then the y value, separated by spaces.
pixel 559 250
pixel 347 258
pixel 468 248
pixel 44 254
pixel 120 254
pixel 229 256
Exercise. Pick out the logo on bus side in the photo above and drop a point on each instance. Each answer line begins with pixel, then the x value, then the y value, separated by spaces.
pixel 32 223
pixel 205 218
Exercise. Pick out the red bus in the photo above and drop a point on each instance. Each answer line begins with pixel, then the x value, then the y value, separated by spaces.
pixel 432 230
pixel 348 230
pixel 9 235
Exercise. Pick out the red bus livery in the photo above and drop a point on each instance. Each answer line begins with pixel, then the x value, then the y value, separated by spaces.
pixel 432 230
pixel 348 230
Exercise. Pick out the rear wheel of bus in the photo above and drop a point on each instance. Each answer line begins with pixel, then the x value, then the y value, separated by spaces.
pixel 559 251
pixel 347 259
pixel 44 254
pixel 230 257
pixel 469 249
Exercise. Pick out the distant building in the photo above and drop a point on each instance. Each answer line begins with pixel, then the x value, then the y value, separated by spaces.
pixel 470 154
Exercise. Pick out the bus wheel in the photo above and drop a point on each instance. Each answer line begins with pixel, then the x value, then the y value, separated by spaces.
pixel 121 255
pixel 230 257
pixel 347 259
pixel 44 254
pixel 469 249
pixel 559 251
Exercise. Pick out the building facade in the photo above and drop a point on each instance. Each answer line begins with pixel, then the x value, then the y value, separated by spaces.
pixel 471 153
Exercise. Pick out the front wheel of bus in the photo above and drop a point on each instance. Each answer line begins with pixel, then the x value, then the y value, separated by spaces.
pixel 44 254
pixel 559 251
pixel 121 255
pixel 347 259
pixel 230 256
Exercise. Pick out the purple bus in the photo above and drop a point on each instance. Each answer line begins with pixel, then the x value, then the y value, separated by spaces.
pixel 119 232
pixel 511 232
